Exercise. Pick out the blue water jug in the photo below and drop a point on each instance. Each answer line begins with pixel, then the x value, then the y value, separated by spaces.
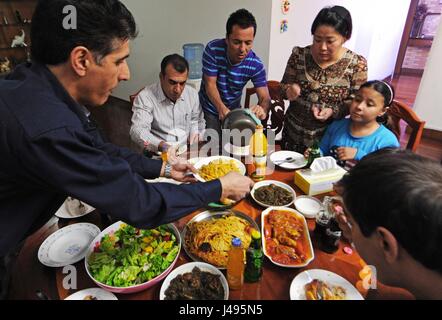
pixel 193 52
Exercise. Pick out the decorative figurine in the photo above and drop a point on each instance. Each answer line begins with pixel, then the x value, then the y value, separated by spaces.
pixel 5 65
pixel 19 40
pixel 284 25
pixel 18 16
pixel 285 6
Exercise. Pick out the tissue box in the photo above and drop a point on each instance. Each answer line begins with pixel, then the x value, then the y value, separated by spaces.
pixel 315 183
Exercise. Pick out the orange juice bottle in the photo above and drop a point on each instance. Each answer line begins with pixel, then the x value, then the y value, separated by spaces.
pixel 258 148
pixel 164 149
pixel 235 265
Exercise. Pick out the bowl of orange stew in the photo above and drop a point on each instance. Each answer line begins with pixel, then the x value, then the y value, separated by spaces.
pixel 285 237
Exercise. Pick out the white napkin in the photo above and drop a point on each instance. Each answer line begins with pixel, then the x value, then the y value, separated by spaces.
pixel 322 164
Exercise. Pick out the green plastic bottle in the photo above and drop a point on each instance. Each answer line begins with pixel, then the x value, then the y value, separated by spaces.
pixel 254 259
pixel 314 152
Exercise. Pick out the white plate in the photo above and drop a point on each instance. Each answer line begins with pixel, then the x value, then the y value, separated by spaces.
pixel 188 267
pixel 67 245
pixel 204 161
pixel 306 234
pixel 269 182
pixel 98 293
pixel 299 162
pixel 71 209
pixel 235 150
pixel 308 206
pixel 297 290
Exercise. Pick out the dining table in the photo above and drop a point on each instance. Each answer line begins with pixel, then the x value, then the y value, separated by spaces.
pixel 32 280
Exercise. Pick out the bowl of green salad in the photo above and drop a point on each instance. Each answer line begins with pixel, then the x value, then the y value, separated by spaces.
pixel 125 259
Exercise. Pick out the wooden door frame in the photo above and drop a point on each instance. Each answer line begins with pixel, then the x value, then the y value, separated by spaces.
pixel 405 37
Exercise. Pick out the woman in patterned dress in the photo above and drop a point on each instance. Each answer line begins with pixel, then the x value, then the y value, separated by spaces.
pixel 320 79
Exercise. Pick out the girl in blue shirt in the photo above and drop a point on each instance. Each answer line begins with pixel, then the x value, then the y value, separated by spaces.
pixel 353 138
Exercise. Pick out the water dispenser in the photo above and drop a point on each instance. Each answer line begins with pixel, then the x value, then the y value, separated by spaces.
pixel 193 52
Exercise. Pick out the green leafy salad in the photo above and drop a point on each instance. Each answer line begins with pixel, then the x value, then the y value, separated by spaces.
pixel 132 256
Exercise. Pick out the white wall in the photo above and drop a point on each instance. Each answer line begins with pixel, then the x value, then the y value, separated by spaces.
pixel 165 25
pixel 428 104
pixel 300 18
pixel 379 25
pixel 377 32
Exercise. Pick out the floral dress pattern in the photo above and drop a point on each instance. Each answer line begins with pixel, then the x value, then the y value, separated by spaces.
pixel 330 87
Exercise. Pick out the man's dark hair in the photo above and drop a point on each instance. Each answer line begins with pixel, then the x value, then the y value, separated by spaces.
pixel 178 62
pixel 242 18
pixel 99 24
pixel 402 192
pixel 337 17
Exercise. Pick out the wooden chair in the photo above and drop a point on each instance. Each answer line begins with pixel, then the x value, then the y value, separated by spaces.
pixel 275 118
pixel 133 96
pixel 400 111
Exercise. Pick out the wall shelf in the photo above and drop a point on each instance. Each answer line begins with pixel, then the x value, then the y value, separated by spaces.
pixel 12 48
pixel 14 25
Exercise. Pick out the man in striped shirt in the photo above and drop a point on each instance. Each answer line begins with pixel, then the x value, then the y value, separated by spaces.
pixel 228 64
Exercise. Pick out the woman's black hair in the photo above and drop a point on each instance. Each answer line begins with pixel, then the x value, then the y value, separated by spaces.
pixel 98 24
pixel 402 192
pixel 337 17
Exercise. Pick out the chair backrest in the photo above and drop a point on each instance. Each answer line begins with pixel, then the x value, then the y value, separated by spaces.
pixel 400 111
pixel 133 96
pixel 275 118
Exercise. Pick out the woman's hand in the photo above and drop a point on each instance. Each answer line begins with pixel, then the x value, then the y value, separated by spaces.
pixel 259 112
pixel 321 114
pixel 293 91
pixel 346 153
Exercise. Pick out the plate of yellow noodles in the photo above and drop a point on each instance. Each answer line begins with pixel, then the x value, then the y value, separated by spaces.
pixel 207 237
pixel 215 167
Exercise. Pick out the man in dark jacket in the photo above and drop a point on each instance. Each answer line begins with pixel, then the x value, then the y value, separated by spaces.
pixel 50 150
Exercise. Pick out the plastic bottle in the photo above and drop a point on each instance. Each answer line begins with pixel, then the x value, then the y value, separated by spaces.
pixel 254 259
pixel 314 152
pixel 235 265
pixel 193 53
pixel 164 149
pixel 258 148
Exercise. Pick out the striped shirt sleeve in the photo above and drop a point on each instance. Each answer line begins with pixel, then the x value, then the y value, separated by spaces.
pixel 210 66
pixel 259 79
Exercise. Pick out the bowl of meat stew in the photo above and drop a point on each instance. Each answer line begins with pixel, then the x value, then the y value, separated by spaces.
pixel 272 193
pixel 195 281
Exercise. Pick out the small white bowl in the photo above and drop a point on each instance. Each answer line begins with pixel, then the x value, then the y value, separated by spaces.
pixel 187 268
pixel 269 182
pixel 308 206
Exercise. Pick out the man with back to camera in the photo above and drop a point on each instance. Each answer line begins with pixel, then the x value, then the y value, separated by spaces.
pixel 393 204
pixel 228 64
pixel 168 112
pixel 49 148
